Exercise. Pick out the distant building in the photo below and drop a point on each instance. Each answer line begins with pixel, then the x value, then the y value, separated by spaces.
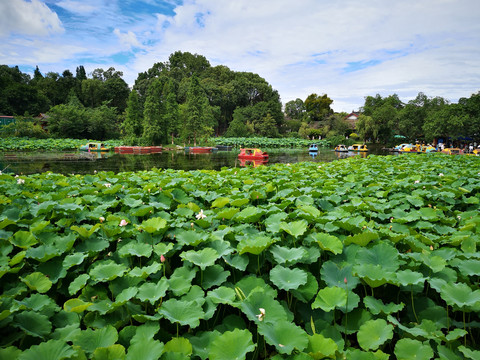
pixel 352 119
pixel 5 120
pixel 42 120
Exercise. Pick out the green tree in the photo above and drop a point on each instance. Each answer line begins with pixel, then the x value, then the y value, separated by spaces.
pixel 318 107
pixel 171 109
pixel 266 126
pixel 238 126
pixel 154 129
pixel 102 122
pixel 295 109
pixel 92 92
pixel 448 121
pixel 366 127
pixel 132 127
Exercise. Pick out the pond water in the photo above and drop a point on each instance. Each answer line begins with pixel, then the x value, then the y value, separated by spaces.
pixel 180 160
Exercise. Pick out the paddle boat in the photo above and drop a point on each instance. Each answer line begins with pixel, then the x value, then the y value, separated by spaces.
pixel 410 148
pixel 252 163
pixel 138 149
pixel 94 146
pixel 428 149
pixel 341 148
pixel 252 154
pixel 452 151
pixel 312 147
pixel 358 147
pixel 199 149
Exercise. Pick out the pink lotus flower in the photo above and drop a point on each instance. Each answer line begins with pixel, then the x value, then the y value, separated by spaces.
pixel 123 222
pixel 162 258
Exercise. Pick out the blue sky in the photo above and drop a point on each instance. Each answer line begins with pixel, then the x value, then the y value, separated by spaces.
pixel 347 49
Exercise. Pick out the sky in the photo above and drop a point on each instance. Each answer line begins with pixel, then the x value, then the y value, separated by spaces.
pixel 347 49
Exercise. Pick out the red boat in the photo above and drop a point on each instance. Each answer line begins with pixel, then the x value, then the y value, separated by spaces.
pixel 199 149
pixel 253 163
pixel 138 149
pixel 252 154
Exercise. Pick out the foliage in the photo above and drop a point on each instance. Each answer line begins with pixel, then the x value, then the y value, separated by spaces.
pixel 361 258
pixel 28 144
pixel 263 142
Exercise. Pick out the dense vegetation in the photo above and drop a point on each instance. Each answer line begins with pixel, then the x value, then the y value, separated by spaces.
pixel 355 259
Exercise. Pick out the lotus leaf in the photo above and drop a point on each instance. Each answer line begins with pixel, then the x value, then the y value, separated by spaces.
pixel 374 333
pixel 295 228
pixel 320 347
pixel 460 295
pixel 468 267
pixel 306 292
pixel 409 277
pixel 154 225
pixel 51 350
pixel 90 339
pixel 112 352
pixel 330 298
pixel 12 352
pixel 272 223
pixel 328 242
pixel 335 276
pixel 38 282
pixel 376 306
pixel 220 202
pixel 239 262
pixel 179 345
pixel 33 323
pixel 222 295
pixel 24 239
pixel 287 279
pixel 214 276
pixel 249 283
pixel 78 283
pixel 151 292
pixel 471 354
pixel 181 280
pixel 381 254
pixel 202 258
pixel 182 312
pixel 126 295
pixel 258 299
pixel 284 335
pixel 84 232
pixel 76 305
pixel 73 259
pixel 374 275
pixel 286 255
pixel 254 244
pixel 410 349
pixel 134 248
pixel 107 270
pixel 145 349
pixel 231 345
pixel 192 238
pixel 362 239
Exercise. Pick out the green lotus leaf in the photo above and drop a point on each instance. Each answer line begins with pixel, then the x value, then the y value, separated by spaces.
pixel 73 259
pixel 239 202
pixel 179 345
pixel 284 335
pixel 320 347
pixel 254 244
pixel 307 292
pixel 126 294
pixel 382 254
pixel 334 276
pixel 154 225
pixel 447 354
pixel 239 262
pixel 24 239
pixel 38 282
pixel 231 345
pixel 376 306
pixel 460 295
pixel 112 352
pixel 469 267
pixel 250 283
pixel 85 232
pixel 76 305
pixel 182 312
pixel 222 295
pixel 328 242
pixel 410 349
pixel 361 239
pixel 181 280
pixel 310 210
pixel 202 258
pixel 134 248
pixel 39 302
pixel 469 353
pixel 330 298
pixel 272 223
pixel 374 275
pixel 90 339
pixel 286 255
pixel 434 262
pixel 39 226
pixel 145 349
pixel 51 350
pixel 220 202
pixel 77 284
pixel 248 215
pixel 152 292
pixel 107 270
pixel 430 214
pixel 11 352
pixel 43 253
pixel 258 299
pixel 214 276
pixel 33 323
pixel 374 333
pixel 180 196
pixel 192 238
pixel 162 248
pixel 455 334
pixel 132 202
pixel 17 258
pixel 409 277
pixel 295 228
pixel 287 279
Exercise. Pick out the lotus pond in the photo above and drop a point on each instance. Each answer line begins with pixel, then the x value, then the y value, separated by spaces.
pixel 374 258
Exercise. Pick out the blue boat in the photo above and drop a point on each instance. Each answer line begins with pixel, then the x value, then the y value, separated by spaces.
pixel 313 147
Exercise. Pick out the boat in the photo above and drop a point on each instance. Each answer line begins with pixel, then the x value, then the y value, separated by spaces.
pixel 452 151
pixel 410 148
pixel 313 147
pixel 398 148
pixel 358 147
pixel 428 149
pixel 138 149
pixel 94 146
pixel 252 154
pixel 253 163
pixel 199 149
pixel 341 148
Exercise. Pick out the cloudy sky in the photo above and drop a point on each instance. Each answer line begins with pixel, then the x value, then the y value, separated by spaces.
pixel 347 49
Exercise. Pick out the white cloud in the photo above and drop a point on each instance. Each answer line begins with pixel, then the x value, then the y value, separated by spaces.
pixel 128 39
pixel 28 17
pixel 78 7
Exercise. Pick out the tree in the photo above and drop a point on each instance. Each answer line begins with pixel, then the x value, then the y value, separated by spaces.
pixel 266 126
pixel 318 107
pixel 171 109
pixel 295 109
pixel 154 129
pixel 448 121
pixel 132 126
pixel 366 127
pixel 80 73
pixel 238 126
pixel 92 92
pixel 116 91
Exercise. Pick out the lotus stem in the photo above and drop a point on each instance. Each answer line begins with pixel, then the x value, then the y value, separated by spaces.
pixel 464 328
pixel 413 305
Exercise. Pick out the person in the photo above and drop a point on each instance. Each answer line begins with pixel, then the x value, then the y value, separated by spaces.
pixel 470 149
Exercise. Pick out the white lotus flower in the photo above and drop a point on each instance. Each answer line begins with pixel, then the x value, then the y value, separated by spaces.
pixel 107 185
pixel 261 316
pixel 201 215
pixel 20 181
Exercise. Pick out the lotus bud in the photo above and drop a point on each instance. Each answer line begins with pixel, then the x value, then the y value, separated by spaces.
pixel 123 222
pixel 345 280
pixel 162 258
pixel 102 219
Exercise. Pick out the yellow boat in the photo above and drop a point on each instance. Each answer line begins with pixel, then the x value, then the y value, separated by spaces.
pixel 358 147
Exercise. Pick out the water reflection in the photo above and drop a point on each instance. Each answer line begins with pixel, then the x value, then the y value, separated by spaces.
pixel 179 160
